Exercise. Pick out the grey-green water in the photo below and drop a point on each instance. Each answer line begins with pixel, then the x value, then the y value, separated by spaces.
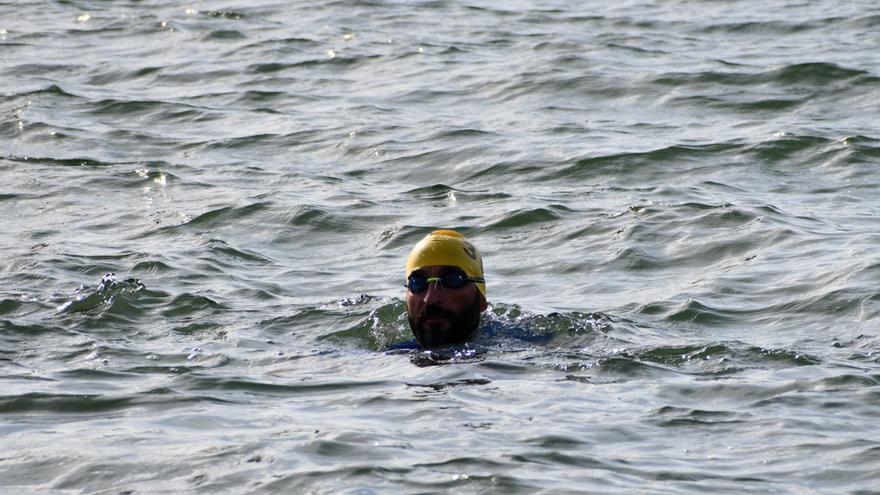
pixel 677 204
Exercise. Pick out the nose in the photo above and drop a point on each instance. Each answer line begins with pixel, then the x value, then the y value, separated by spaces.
pixel 434 292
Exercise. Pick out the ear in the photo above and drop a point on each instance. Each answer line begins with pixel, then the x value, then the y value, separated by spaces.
pixel 483 303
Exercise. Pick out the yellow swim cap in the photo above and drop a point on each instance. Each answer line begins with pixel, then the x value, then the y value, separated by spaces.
pixel 447 248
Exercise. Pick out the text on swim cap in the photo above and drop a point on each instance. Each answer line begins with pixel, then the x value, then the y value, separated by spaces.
pixel 470 250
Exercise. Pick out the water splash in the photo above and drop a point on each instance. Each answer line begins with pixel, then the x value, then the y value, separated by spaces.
pixel 103 296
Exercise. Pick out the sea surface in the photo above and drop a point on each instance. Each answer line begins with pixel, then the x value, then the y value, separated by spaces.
pixel 207 206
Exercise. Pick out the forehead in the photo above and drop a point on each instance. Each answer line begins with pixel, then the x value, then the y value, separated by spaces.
pixel 436 270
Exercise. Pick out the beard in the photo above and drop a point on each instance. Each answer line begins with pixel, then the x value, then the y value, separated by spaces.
pixel 456 327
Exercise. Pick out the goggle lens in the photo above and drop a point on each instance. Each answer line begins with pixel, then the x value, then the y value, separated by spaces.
pixel 451 280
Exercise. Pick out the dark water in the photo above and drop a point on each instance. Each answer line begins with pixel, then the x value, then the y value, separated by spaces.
pixel 677 204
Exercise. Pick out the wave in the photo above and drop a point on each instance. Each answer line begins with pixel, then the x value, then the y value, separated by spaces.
pixel 588 346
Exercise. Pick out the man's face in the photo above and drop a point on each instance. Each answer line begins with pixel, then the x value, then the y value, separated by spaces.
pixel 440 315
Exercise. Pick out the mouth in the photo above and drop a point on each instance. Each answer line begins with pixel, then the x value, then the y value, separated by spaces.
pixel 435 320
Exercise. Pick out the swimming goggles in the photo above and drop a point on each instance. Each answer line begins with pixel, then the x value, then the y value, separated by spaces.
pixel 451 280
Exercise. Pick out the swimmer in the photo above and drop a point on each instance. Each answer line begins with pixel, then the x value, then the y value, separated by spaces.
pixel 446 291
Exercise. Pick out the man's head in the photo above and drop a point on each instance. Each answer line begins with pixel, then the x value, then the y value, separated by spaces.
pixel 445 288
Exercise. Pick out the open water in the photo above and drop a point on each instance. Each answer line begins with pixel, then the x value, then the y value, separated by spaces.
pixel 207 207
